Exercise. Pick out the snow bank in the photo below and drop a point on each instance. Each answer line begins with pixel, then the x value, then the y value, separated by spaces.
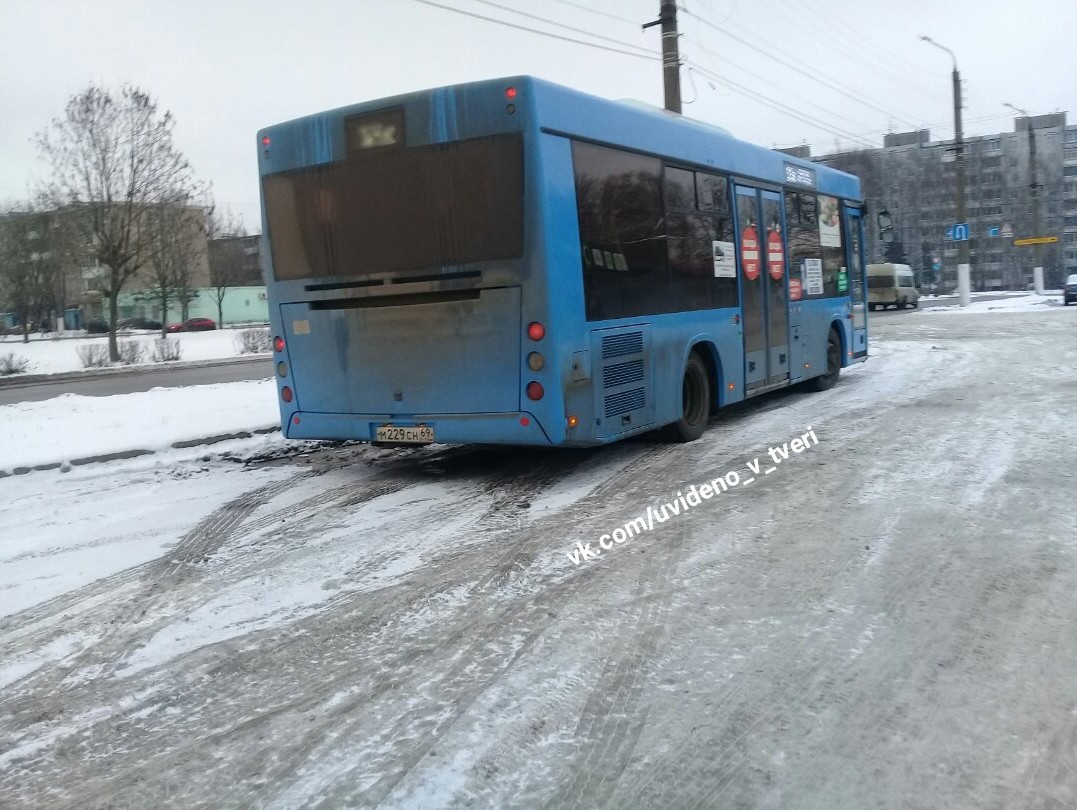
pixel 1023 302
pixel 73 426
pixel 48 356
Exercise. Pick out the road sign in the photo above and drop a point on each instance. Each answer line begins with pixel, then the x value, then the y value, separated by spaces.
pixel 1036 240
pixel 958 233
pixel 1007 231
pixel 992 231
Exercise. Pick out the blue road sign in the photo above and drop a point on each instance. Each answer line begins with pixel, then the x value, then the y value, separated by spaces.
pixel 960 232
pixel 992 231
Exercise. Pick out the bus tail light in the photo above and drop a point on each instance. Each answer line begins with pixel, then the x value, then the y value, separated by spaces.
pixel 536 331
pixel 286 394
pixel 282 369
pixel 278 344
pixel 510 93
pixel 535 390
pixel 535 361
pixel 573 421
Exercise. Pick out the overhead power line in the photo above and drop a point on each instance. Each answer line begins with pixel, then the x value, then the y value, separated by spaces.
pixel 638 55
pixel 548 21
pixel 785 89
pixel 782 108
pixel 606 14
pixel 798 69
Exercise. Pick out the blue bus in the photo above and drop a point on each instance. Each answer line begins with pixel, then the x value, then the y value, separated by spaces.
pixel 515 262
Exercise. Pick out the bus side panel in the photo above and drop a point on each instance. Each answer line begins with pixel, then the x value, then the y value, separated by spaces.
pixel 556 296
pixel 814 320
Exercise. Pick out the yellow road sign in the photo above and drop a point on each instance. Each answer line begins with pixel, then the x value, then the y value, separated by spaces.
pixel 1036 240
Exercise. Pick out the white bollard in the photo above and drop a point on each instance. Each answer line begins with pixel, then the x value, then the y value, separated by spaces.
pixel 964 284
pixel 1037 280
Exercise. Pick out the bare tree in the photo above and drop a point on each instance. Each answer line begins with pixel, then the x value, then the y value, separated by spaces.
pixel 113 156
pixel 225 254
pixel 174 233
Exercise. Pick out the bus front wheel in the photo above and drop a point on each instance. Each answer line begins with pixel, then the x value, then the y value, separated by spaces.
pixel 824 382
pixel 695 402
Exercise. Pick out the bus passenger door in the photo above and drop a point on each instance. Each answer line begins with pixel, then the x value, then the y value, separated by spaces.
pixel 856 280
pixel 753 295
pixel 772 244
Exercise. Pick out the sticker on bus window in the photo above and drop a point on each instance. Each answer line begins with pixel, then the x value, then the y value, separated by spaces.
pixel 813 270
pixel 749 252
pixel 300 327
pixel 843 280
pixel 620 263
pixel 609 259
pixel 775 255
pixel 796 291
pixel 597 254
pixel 725 263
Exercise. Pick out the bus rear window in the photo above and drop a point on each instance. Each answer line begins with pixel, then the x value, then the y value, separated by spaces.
pixel 394 210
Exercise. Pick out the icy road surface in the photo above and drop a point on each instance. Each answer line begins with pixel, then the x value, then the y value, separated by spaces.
pixel 889 619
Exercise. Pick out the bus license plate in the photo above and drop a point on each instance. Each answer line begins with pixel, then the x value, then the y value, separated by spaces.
pixel 413 434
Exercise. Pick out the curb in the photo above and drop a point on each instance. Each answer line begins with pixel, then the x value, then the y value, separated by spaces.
pixel 123 454
pixel 20 381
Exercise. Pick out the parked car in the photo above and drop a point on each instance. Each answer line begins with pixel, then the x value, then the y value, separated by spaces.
pixel 139 323
pixel 193 325
pixel 96 326
pixel 1069 291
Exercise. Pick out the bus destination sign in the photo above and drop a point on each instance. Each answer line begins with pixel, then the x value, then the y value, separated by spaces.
pixel 799 175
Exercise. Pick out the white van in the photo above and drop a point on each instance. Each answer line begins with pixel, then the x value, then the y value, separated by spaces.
pixel 892 284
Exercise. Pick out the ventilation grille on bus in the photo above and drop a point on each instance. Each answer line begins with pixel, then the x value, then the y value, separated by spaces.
pixel 622 373
pixel 618 345
pixel 624 402
pixel 617 398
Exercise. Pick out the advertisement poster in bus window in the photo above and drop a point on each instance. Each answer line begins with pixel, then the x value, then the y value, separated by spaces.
pixel 813 270
pixel 749 252
pixel 725 264
pixel 843 280
pixel 829 222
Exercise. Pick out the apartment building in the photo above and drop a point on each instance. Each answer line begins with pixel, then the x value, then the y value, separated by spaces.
pixel 912 177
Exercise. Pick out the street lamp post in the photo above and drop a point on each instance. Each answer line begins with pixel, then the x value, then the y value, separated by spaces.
pixel 963 270
pixel 1037 259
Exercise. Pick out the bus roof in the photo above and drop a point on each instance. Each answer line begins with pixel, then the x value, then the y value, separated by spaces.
pixel 630 125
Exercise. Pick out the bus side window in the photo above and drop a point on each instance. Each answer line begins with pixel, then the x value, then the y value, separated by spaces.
pixel 622 232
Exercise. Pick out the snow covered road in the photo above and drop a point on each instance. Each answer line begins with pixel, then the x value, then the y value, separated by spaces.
pixel 884 621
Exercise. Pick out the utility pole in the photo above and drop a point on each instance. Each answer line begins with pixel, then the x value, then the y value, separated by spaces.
pixel 963 269
pixel 1037 259
pixel 671 58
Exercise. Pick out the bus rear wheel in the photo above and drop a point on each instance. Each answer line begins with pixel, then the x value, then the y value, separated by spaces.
pixel 824 382
pixel 695 402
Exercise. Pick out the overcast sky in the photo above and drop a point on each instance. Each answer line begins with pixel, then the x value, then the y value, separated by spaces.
pixel 831 73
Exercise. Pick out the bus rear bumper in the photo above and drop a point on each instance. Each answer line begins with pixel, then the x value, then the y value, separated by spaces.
pixel 475 428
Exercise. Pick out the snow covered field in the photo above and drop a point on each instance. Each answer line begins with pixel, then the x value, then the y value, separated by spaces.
pixel 48 356
pixel 885 621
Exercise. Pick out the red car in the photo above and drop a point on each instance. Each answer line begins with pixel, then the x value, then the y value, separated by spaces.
pixel 193 325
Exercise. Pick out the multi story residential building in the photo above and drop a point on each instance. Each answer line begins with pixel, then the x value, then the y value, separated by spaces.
pixel 912 177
